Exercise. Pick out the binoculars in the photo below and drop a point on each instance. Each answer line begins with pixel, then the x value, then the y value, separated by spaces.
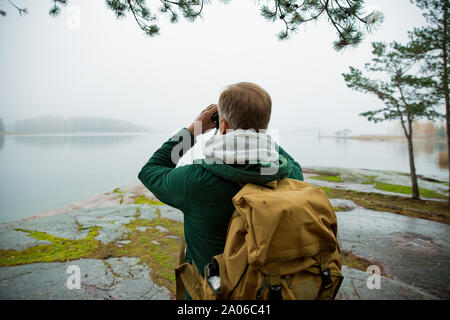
pixel 215 119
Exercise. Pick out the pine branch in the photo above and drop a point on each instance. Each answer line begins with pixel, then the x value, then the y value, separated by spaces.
pixel 22 11
pixel 344 18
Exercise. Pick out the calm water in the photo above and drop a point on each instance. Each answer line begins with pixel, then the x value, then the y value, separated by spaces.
pixel 42 172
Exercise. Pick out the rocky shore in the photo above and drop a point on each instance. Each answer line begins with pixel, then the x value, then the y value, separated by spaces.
pixel 125 244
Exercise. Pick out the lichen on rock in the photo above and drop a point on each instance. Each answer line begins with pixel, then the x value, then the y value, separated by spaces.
pixel 109 233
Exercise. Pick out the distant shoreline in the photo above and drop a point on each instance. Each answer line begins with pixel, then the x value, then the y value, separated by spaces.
pixel 367 137
pixel 74 133
pixel 13 133
pixel 386 138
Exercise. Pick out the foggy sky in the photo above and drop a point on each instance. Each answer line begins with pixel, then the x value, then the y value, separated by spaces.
pixel 107 67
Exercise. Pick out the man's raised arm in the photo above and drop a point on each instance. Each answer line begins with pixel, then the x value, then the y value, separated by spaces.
pixel 160 175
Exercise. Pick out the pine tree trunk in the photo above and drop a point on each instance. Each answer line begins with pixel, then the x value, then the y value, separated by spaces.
pixel 445 85
pixel 447 117
pixel 412 165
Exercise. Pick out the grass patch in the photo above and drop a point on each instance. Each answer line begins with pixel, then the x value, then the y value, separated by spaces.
pixel 144 200
pixel 117 190
pixel 341 208
pixel 426 193
pixel 351 260
pixel 61 249
pixel 162 258
pixel 330 178
pixel 426 209
pixel 120 193
pixel 369 179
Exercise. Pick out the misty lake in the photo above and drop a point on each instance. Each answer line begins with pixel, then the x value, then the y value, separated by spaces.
pixel 43 172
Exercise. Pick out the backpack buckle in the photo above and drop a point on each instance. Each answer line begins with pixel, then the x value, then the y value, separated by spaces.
pixel 275 292
pixel 275 284
pixel 326 279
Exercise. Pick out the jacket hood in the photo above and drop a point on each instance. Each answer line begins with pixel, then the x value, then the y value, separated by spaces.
pixel 245 156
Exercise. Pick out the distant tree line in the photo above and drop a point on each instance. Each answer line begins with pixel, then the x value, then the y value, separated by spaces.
pixel 342 133
pixel 75 125
pixel 426 129
pixel 429 129
pixel 2 127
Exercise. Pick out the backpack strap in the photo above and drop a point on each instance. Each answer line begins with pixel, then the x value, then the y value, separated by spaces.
pixel 188 276
pixel 275 283
pixel 180 289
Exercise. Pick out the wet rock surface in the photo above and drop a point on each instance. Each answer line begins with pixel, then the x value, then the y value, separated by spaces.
pixel 364 180
pixel 75 225
pixel 12 239
pixel 116 278
pixel 354 287
pixel 414 252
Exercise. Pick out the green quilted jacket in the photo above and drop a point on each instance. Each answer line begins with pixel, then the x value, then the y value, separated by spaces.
pixel 203 192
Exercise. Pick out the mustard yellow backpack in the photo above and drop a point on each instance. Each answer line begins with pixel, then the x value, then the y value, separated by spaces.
pixel 281 244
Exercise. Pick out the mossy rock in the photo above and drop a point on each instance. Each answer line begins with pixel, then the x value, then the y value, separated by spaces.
pixel 330 178
pixel 60 249
pixel 161 257
pixel 433 210
pixel 144 200
pixel 342 208
pixel 408 190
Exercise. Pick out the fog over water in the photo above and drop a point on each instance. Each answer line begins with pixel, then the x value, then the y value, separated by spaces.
pixel 43 172
pixel 106 67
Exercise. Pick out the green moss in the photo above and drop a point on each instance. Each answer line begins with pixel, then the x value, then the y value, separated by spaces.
pixel 330 178
pixel 426 209
pixel 408 190
pixel 80 228
pixel 326 189
pixel 161 258
pixel 106 264
pixel 341 208
pixel 356 262
pixel 117 190
pixel 368 179
pixel 120 193
pixel 60 250
pixel 144 200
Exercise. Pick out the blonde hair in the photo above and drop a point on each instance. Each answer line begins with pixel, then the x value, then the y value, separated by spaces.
pixel 245 105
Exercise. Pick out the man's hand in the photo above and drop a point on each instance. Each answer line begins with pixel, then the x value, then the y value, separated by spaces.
pixel 205 120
